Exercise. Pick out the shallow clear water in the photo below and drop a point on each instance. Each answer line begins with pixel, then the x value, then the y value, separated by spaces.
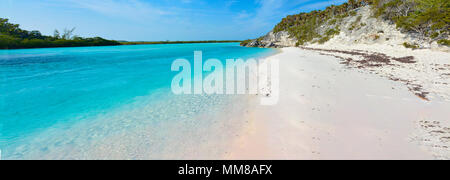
pixel 52 98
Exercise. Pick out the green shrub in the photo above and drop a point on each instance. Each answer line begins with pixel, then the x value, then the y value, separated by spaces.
pixel 358 19
pixel 323 40
pixel 245 42
pixel 332 32
pixel 445 42
pixel 332 22
pixel 434 35
pixel 355 24
pixel 425 17
pixel 412 46
pixel 351 27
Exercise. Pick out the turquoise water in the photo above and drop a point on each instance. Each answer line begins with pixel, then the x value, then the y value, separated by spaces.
pixel 47 92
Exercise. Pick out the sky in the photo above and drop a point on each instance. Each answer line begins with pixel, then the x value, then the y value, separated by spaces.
pixel 157 20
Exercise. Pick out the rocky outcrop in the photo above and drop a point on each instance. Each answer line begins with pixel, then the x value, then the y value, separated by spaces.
pixel 356 26
pixel 359 28
pixel 271 39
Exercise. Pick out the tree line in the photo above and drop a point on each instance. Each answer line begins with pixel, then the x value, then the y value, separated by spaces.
pixel 13 37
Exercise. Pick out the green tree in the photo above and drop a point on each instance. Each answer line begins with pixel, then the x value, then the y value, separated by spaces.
pixel 12 37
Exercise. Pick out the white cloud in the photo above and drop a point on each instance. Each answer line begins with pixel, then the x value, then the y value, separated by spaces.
pixel 230 3
pixel 134 9
pixel 319 5
pixel 186 1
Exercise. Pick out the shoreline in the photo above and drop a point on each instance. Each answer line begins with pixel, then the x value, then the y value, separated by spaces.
pixel 328 110
pixel 175 42
pixel 131 44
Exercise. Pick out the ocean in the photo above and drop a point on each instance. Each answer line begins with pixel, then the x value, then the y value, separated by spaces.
pixel 111 102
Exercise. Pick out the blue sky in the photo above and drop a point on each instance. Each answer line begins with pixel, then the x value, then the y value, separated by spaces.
pixel 156 20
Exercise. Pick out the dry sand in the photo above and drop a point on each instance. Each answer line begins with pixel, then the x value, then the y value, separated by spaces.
pixel 328 110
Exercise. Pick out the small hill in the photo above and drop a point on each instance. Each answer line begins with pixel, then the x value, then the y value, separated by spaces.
pixel 411 23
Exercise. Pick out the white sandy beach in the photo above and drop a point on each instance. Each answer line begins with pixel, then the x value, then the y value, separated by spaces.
pixel 328 110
